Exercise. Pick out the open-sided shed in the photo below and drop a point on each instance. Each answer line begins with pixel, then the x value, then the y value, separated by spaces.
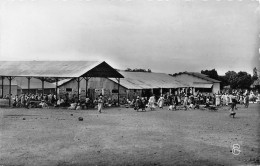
pixel 56 70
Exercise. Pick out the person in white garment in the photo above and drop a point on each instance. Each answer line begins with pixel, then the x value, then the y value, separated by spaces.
pixel 100 104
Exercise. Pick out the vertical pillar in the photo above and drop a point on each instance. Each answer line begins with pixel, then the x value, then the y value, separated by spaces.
pixel 161 91
pixel 3 86
pixel 127 93
pixel 42 79
pixel 78 80
pixel 10 90
pixel 29 78
pixel 170 91
pixel 118 92
pixel 86 78
pixel 56 88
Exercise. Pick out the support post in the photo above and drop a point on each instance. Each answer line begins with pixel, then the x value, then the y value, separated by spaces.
pixel 3 86
pixel 29 78
pixel 118 92
pixel 56 88
pixel 86 78
pixel 10 90
pixel 127 93
pixel 78 80
pixel 42 79
pixel 161 91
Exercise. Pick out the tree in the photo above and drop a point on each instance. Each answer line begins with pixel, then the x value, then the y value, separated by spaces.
pixel 231 77
pixel 128 69
pixel 244 80
pixel 138 70
pixel 241 80
pixel 224 81
pixel 211 73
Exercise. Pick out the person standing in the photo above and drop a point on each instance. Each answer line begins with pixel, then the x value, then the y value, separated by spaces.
pixel 217 99
pixel 231 110
pixel 161 101
pixel 151 102
pixel 185 102
pixel 137 103
pixel 246 101
pixel 100 104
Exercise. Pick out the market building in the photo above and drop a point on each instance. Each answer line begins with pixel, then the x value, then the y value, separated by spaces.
pixel 133 84
pixel 199 82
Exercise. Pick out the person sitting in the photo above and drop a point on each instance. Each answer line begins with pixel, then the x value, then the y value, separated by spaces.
pixel 58 102
pixel 87 102
pixel 43 104
pixel 132 103
pixel 73 106
pixel 207 103
pixel 172 105
pixel 128 102
pixel 78 107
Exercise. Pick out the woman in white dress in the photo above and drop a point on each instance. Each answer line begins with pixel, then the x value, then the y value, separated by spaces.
pixel 151 102
pixel 100 104
pixel 217 99
pixel 161 101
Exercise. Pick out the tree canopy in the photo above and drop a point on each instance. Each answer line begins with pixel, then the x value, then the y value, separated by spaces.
pixel 211 73
pixel 240 80
pixel 139 70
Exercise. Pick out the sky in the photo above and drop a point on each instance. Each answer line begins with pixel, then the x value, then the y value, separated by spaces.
pixel 166 36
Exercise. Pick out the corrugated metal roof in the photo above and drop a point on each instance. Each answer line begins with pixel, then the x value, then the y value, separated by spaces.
pixel 199 75
pixel 56 68
pixel 143 80
pixel 203 76
pixel 146 80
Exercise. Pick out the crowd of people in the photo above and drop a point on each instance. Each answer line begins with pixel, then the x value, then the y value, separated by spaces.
pixel 194 101
pixel 172 101
pixel 65 101
pixel 34 100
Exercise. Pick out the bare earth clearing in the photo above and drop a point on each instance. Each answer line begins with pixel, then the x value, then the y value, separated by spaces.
pixel 121 136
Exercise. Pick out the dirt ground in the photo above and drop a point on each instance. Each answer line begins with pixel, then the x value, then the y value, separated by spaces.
pixel 121 136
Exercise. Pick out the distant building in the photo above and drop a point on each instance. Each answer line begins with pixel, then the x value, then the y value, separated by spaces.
pixel 199 82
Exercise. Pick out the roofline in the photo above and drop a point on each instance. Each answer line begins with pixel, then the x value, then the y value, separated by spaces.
pixel 92 66
pixel 189 73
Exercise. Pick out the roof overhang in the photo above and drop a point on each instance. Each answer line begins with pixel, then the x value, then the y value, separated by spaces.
pixel 202 85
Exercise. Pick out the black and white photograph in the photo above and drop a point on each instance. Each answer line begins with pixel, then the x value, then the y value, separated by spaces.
pixel 129 82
